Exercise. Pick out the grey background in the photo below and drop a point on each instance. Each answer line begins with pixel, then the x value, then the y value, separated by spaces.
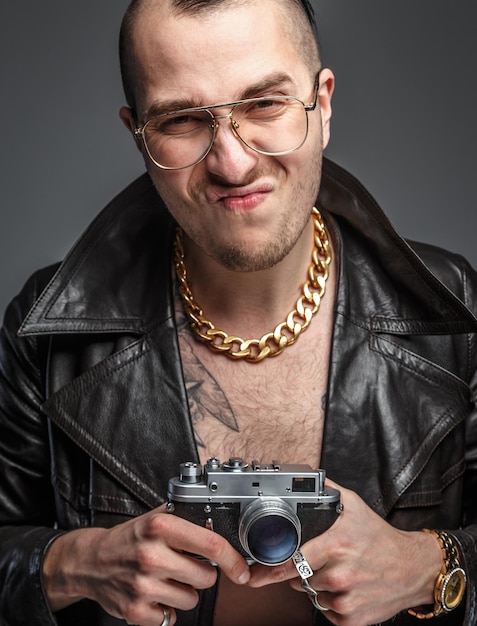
pixel 404 119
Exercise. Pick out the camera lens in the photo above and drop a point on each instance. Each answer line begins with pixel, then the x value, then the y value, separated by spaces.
pixel 269 531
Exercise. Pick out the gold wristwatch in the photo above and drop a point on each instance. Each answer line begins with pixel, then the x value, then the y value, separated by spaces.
pixel 451 580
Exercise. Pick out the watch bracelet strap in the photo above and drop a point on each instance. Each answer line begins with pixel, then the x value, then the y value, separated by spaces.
pixel 450 560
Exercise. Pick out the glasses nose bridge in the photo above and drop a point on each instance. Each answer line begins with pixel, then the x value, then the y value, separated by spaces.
pixel 229 116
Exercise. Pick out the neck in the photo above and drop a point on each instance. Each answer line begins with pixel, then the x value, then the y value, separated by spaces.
pixel 248 303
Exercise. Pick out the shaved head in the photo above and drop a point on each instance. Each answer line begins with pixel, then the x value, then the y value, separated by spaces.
pixel 300 24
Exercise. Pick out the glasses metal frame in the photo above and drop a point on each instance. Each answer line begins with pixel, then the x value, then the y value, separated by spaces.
pixel 139 131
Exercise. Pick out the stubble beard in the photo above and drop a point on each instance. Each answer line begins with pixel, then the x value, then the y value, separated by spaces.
pixel 288 230
pixel 238 258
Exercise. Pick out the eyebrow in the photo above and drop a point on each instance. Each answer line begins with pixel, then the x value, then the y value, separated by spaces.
pixel 262 87
pixel 267 84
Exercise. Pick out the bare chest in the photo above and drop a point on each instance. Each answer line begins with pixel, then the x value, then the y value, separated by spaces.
pixel 272 410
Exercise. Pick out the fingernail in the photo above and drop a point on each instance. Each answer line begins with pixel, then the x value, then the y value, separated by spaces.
pixel 244 577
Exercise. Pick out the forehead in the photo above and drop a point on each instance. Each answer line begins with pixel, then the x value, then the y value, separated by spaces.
pixel 216 56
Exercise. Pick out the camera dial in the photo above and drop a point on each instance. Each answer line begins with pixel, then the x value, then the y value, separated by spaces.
pixel 235 464
pixel 190 472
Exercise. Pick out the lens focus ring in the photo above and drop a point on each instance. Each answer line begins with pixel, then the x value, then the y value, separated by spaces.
pixel 270 531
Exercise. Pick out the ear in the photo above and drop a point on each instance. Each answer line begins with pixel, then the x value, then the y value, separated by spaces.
pixel 325 93
pixel 127 117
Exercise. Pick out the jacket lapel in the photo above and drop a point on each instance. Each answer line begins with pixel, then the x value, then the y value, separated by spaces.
pixel 388 412
pixel 391 403
pixel 130 414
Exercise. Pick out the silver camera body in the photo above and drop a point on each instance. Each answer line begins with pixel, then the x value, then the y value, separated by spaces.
pixel 266 512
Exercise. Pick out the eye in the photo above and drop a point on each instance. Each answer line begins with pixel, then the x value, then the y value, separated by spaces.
pixel 268 108
pixel 179 124
pixel 267 104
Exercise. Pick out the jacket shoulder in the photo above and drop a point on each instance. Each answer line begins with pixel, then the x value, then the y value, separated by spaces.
pixel 23 301
pixel 452 269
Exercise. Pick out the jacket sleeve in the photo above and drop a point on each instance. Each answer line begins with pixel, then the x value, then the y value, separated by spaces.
pixel 27 519
pixel 461 279
pixel 467 535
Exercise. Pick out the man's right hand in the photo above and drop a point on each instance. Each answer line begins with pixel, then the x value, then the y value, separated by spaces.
pixel 134 568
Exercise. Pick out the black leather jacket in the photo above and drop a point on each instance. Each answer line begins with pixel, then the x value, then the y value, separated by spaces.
pixel 93 409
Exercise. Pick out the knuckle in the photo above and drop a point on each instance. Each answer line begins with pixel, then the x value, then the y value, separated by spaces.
pixel 337 580
pixel 190 600
pixel 207 577
pixel 343 605
pixel 280 574
pixel 134 613
pixel 216 544
pixel 217 548
pixel 156 525
pixel 145 558
pixel 136 589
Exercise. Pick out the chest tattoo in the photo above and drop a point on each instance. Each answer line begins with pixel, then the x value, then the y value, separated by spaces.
pixel 206 396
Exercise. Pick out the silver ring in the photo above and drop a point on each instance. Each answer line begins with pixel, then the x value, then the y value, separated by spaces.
pixel 167 616
pixel 312 594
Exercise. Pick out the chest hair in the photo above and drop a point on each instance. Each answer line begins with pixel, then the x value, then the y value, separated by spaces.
pixel 272 410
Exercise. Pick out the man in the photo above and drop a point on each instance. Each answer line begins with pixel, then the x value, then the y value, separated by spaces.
pixel 260 328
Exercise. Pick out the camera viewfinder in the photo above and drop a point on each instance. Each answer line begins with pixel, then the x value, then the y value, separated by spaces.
pixel 303 485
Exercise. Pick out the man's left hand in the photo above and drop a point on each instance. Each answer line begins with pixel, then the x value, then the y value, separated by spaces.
pixel 365 570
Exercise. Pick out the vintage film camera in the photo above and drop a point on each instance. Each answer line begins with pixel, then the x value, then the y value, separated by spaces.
pixel 265 511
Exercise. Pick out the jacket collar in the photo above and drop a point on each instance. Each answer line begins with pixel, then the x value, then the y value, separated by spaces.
pixel 112 280
pixel 420 295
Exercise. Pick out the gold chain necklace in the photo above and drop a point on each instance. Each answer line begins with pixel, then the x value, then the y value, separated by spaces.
pixel 287 332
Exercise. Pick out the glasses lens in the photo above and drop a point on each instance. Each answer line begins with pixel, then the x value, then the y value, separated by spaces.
pixel 175 141
pixel 273 125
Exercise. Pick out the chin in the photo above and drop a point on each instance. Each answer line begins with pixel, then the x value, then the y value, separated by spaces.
pixel 239 259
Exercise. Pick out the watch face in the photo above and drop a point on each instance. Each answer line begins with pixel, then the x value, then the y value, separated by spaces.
pixel 453 589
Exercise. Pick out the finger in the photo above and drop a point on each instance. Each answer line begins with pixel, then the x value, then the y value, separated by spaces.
pixel 169 616
pixel 231 563
pixel 154 614
pixel 262 575
pixel 322 600
pixel 333 485
pixel 315 581
pixel 190 570
pixel 136 603
pixel 314 553
pixel 183 536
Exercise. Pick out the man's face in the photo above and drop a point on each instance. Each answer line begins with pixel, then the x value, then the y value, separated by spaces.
pixel 243 209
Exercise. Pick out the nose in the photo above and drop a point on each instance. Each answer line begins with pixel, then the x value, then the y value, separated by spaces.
pixel 229 158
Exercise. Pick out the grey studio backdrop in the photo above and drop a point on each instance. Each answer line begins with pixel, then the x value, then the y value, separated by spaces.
pixel 404 119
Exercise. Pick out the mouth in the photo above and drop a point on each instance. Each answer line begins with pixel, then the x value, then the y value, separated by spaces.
pixel 243 198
